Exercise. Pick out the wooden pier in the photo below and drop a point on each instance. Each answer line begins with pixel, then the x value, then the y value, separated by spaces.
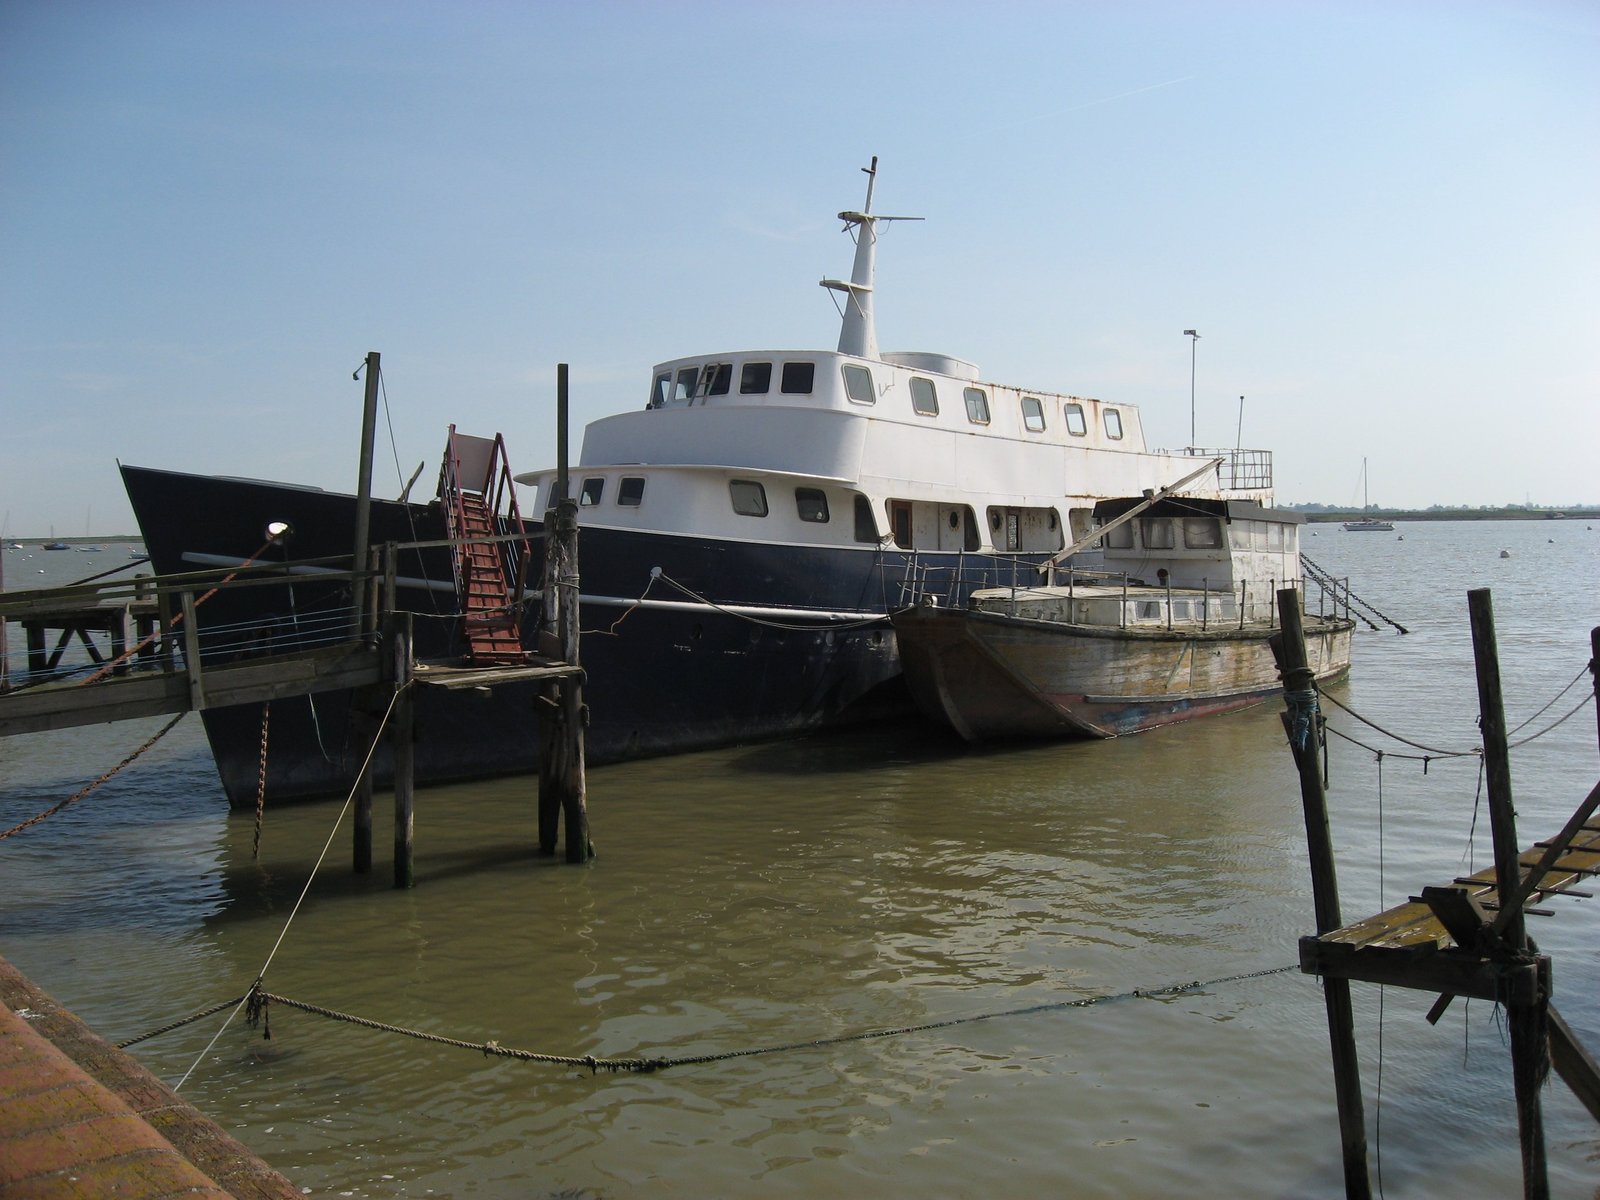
pixel 1465 938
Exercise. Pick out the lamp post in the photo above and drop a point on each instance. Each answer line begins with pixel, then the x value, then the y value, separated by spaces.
pixel 1193 338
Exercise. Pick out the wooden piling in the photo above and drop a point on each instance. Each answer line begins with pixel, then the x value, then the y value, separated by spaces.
pixel 369 420
pixel 402 721
pixel 1594 670
pixel 361 841
pixel 1300 721
pixel 1530 1059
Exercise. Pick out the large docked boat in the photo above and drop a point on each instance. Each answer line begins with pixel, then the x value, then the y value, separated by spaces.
pixel 744 535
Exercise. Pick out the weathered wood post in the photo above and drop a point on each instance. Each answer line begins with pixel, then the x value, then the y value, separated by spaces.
pixel 1594 670
pixel 361 840
pixel 1530 1059
pixel 403 735
pixel 358 558
pixel 562 782
pixel 1301 721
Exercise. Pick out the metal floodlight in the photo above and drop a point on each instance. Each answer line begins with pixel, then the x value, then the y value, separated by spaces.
pixel 279 532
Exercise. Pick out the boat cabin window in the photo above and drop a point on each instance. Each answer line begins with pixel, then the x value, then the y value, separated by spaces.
pixel 1158 533
pixel 858 384
pixel 1149 610
pixel 1076 425
pixel 924 400
pixel 593 488
pixel 684 390
pixel 749 497
pixel 1120 538
pixel 1113 420
pixel 1201 533
pixel 812 504
pixel 900 522
pixel 630 492
pixel 716 379
pixel 797 377
pixel 755 379
pixel 977 406
pixel 866 523
pixel 658 390
pixel 1033 414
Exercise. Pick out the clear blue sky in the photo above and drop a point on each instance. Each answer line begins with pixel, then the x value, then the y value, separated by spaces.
pixel 1381 217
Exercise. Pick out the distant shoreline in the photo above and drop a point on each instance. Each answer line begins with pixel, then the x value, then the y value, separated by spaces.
pixel 1330 516
pixel 108 539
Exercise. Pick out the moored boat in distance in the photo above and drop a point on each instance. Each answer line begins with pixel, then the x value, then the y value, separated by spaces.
pixel 744 535
pixel 1175 627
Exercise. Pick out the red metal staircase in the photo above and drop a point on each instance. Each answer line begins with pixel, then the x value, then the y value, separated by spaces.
pixel 474 486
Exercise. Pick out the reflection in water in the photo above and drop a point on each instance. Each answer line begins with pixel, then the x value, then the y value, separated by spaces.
pixel 772 895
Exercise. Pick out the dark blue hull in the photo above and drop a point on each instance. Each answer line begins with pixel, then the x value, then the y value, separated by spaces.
pixel 799 637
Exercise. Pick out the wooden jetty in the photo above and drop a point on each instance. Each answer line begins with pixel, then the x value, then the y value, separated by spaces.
pixel 166 673
pixel 1465 938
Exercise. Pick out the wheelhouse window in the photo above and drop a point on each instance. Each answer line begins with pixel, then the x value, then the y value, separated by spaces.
pixel 1120 538
pixel 1158 533
pixel 716 379
pixel 1201 533
pixel 1113 420
pixel 749 497
pixel 977 405
pixel 858 384
pixel 593 488
pixel 866 523
pixel 630 492
pixel 797 378
pixel 812 504
pixel 755 379
pixel 1033 414
pixel 659 390
pixel 924 400
pixel 686 380
pixel 900 522
pixel 1076 425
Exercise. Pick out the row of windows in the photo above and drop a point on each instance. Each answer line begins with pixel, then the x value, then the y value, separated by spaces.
pixel 1161 533
pixel 716 379
pixel 925 403
pixel 799 378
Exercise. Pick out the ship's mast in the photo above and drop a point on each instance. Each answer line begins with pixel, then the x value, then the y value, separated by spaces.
pixel 858 335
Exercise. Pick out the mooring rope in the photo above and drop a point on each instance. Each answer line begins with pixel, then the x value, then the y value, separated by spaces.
pixel 377 737
pixel 75 797
pixel 792 628
pixel 259 1001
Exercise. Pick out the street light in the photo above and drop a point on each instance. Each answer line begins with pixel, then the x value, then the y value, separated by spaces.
pixel 1193 338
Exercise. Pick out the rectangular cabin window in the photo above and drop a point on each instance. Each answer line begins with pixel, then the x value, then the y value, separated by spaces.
pixel 1158 533
pixel 659 389
pixel 1076 425
pixel 1201 533
pixel 749 497
pixel 924 400
pixel 686 381
pixel 811 504
pixel 1033 414
pixel 1120 538
pixel 593 488
pixel 716 379
pixel 1239 534
pixel 858 384
pixel 630 492
pixel 977 406
pixel 866 523
pixel 1113 420
pixel 900 522
pixel 755 379
pixel 797 377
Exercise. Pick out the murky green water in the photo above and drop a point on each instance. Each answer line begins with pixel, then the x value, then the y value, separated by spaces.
pixel 807 891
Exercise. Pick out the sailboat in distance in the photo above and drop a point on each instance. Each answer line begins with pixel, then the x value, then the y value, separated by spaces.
pixel 1367 524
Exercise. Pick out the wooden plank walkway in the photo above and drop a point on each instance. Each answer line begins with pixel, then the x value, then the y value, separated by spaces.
pixel 78 1117
pixel 1409 945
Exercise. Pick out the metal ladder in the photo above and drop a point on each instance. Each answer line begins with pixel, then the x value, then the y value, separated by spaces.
pixel 474 487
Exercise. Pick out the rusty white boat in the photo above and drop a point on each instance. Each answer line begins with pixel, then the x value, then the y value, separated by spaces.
pixel 1175 626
